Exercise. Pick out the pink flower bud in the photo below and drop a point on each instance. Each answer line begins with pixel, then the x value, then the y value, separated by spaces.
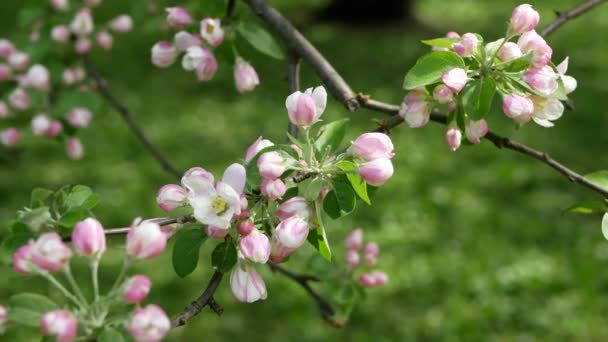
pixel 74 148
pixel 105 40
pixel 60 5
pixel 518 108
pixel 467 46
pixel 443 94
pixel 68 78
pixel 193 57
pixel 148 324
pixel 211 31
pixel 5 72
pixel 354 240
pixel 79 117
pixel 18 60
pixel 178 17
pixel 370 146
pixel 371 251
pixel 367 280
pixel 509 52
pixel 50 253
pixel 543 79
pixel 289 235
pixel 197 172
pixel 455 79
pixel 271 165
pixel 217 233
pixel 183 40
pixel 38 77
pixel 60 34
pixel 6 48
pixel 171 197
pixel 246 284
pixel 79 73
pixel 523 19
pixel 40 124
pixel 352 259
pixel 380 278
pixel 22 260
pixel 145 240
pixel 533 42
pixel 255 246
pixel 377 171
pixel 121 24
pixel 163 54
pixel 273 188
pixel 245 227
pixel 136 289
pixel 245 77
pixel 59 323
pixel 10 136
pixel 19 99
pixel 83 45
pixel 453 138
pixel 205 70
pixel 4 111
pixel 415 109
pixel 256 147
pixel 295 206
pixel 82 24
pixel 89 238
pixel 54 129
pixel 475 130
pixel 452 34
pixel 305 109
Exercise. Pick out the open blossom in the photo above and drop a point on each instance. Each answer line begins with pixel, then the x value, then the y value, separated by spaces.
pixel 271 165
pixel 370 146
pixel 547 110
pixel 509 52
pixel 246 283
pixel 61 324
pixel 82 24
pixel 178 17
pixel 6 48
pixel 569 81
pixel 206 68
pixel 543 79
pixel 475 130
pixel 38 77
pixel 22 259
pixel 171 197
pixel 19 99
pixel 377 171
pixel 148 324
pixel 524 19
pixel 211 31
pixel 453 137
pixel 256 147
pixel 79 117
pixel 415 108
pixel 104 40
pixel 455 79
pixel 18 60
pixel 50 253
pixel 245 76
pixel 89 238
pixel 255 246
pixel 60 33
pixel 183 40
pixel 518 108
pixel 163 54
pixel 295 206
pixel 74 148
pixel 10 136
pixel 467 46
pixel 122 24
pixel 273 188
pixel 305 108
pixel 136 288
pixel 193 56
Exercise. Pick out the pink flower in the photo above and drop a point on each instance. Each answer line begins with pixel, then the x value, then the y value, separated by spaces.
pixel 171 197
pixel 295 206
pixel 354 240
pixel 38 78
pixel 255 246
pixel 163 54
pixel 289 235
pixel 352 259
pixel 4 111
pixel 54 129
pixel 145 240
pixel 245 227
pixel 5 72
pixel 523 19
pixel 370 146
pixel 74 148
pixel 246 283
pixel 136 289
pixel 453 138
pixel 61 324
pixel 475 130
pixel 467 46
pixel 82 24
pixel 19 99
pixel 178 17
pixel 543 79
pixel 83 45
pixel 371 253
pixel 148 324
pixel 245 76
pixel 50 253
pixel 60 34
pixel 415 109
pixel 18 60
pixel 89 238
pixel 3 319
pixel 273 188
pixel 10 136
pixel 304 109
pixel 518 108
pixel 256 147
pixel 211 31
pixel 509 52
pixel 40 124
pixel 377 171
pixel 60 5
pixel 218 233
pixel 183 40
pixel 533 42
pixel 455 79
pixel 105 40
pixel 121 24
pixel 271 165
pixel 367 280
pixel 443 94
pixel 205 70
pixel 235 176
pixel 6 48
pixel 193 57
pixel 22 260
pixel 79 117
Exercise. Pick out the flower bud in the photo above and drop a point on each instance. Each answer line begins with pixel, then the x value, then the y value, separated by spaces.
pixel 178 17
pixel 256 147
pixel 22 259
pixel 205 70
pixel 354 240
pixel 148 324
pixel 19 100
pixel 83 45
pixel 467 46
pixel 271 165
pixel 352 259
pixel 89 238
pixel 6 48
pixel 371 252
pixel 145 240
pixel 305 109
pixel 59 323
pixel 534 43
pixel 5 72
pixel 183 40
pixel 245 76
pixel 246 284
pixel 509 52
pixel 50 253
pixel 475 130
pixel 367 280
pixel 380 278
pixel 289 235
pixel 443 94
pixel 245 227
pixel 79 117
pixel 121 24
pixel 415 109
pixel 255 246
pixel 38 78
pixel 543 79
pixel 163 54
pixel 455 79
pixel 211 31
pixel 197 172
pixel 523 19
pixel 18 60
pixel 370 146
pixel 68 78
pixel 60 5
pixel 194 55
pixel 171 197
pixel 4 111
pixel 217 233
pixel 295 206
pixel 82 24
pixel 453 138
pixel 104 40
pixel 377 171
pixel 136 289
pixel 60 34
pixel 273 188
pixel 452 34
pixel 74 148
pixel 10 136
pixel 518 108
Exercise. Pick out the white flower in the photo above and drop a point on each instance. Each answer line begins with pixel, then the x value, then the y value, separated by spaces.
pixel 569 81
pixel 547 110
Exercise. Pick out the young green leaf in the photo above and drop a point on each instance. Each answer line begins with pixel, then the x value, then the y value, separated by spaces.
pixel 441 42
pixel 477 97
pixel 188 242
pixel 260 39
pixel 318 238
pixel 39 197
pixel 78 196
pixel 429 68
pixel 110 334
pixel 224 256
pixel 599 177
pixel 28 308
pixel 587 207
pixel 311 188
pixel 331 135
pixel 355 179
pixel 341 200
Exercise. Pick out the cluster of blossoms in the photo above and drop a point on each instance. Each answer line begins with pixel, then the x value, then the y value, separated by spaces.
pixel 531 86
pixel 48 255
pixel 354 243
pixel 268 224
pixel 197 49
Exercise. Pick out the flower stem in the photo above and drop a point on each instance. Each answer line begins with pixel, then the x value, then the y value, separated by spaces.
pixel 61 288
pixel 68 274
pixel 121 276
pixel 94 275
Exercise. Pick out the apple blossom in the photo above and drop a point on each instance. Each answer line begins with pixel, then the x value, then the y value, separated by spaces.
pixel 245 76
pixel 295 206
pixel 5 72
pixel 148 324
pixel 38 77
pixel 55 127
pixel 524 19
pixel 415 108
pixel 370 146
pixel 256 147
pixel 60 5
pixel 380 278
pixel 67 77
pixel 218 233
pixel 136 289
pixel 83 45
pixel 235 175
pixel 289 235
pixel 455 79
pixel 19 99
pixel 205 70
pixel 467 46
pixel 61 324
pixel 198 172
pixel 74 148
pixel 245 227
pixel 193 56
pixel 367 280
pixel 271 165
pixel 569 81
pixel 371 253
pixel 443 94
pixel 453 137
pixel 273 188
pixel 475 130
pixel 18 60
pixel 534 43
pixel 40 124
pixel 543 79
pixel 22 259
pixel 6 48
pixel 352 259
pixel 377 171
pixel 354 240
pixel 547 110
pixel 183 40
pixel 255 246
pixel 145 240
pixel 518 108
pixel 246 283
pixel 121 24
pixel 50 253
pixel 60 33
pixel 178 17
pixel 89 238
pixel 305 109
pixel 171 197
pixel 10 136
pixel 104 40
pixel 163 54
pixel 82 24
pixel 211 31
pixel 79 117
pixel 509 52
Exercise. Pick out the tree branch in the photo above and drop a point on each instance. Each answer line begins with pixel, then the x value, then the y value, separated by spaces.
pixel 293 79
pixel 206 298
pixel 564 17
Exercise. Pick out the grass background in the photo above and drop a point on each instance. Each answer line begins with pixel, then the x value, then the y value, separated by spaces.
pixel 474 242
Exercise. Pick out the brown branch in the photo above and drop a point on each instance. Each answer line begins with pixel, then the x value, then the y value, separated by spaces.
pixel 127 117
pixel 564 17
pixel 206 298
pixel 293 80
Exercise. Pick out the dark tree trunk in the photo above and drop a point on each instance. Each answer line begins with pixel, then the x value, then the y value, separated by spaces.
pixel 368 12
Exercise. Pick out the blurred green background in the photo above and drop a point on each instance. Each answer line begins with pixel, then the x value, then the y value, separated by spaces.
pixel 474 242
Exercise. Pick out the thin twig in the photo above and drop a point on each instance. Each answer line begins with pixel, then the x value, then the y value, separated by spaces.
pixel 564 17
pixel 206 298
pixel 293 80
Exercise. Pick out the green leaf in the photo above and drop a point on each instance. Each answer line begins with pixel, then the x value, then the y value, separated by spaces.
pixel 517 65
pixel 441 42
pixel 186 250
pixel 599 177
pixel 318 238
pixel 260 39
pixel 11 243
pixel 110 335
pixel 295 141
pixel 605 225
pixel 341 200
pixel 429 68
pixel 35 218
pixel 587 207
pixel 224 256
pixel 28 308
pixel 78 196
pixel 330 205
pixel 311 188
pixel 69 219
pixel 331 135
pixel 356 181
pixel 477 97
pixel 39 197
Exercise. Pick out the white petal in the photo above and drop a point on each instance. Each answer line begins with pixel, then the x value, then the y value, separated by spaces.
pixel 319 96
pixel 569 83
pixel 227 193
pixel 291 102
pixel 542 122
pixel 235 176
pixel 552 110
pixel 563 66
pixel 198 185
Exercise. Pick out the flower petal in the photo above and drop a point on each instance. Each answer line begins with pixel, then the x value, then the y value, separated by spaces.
pixel 235 176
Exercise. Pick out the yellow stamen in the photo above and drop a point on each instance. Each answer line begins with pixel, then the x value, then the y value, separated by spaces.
pixel 210 29
pixel 219 205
